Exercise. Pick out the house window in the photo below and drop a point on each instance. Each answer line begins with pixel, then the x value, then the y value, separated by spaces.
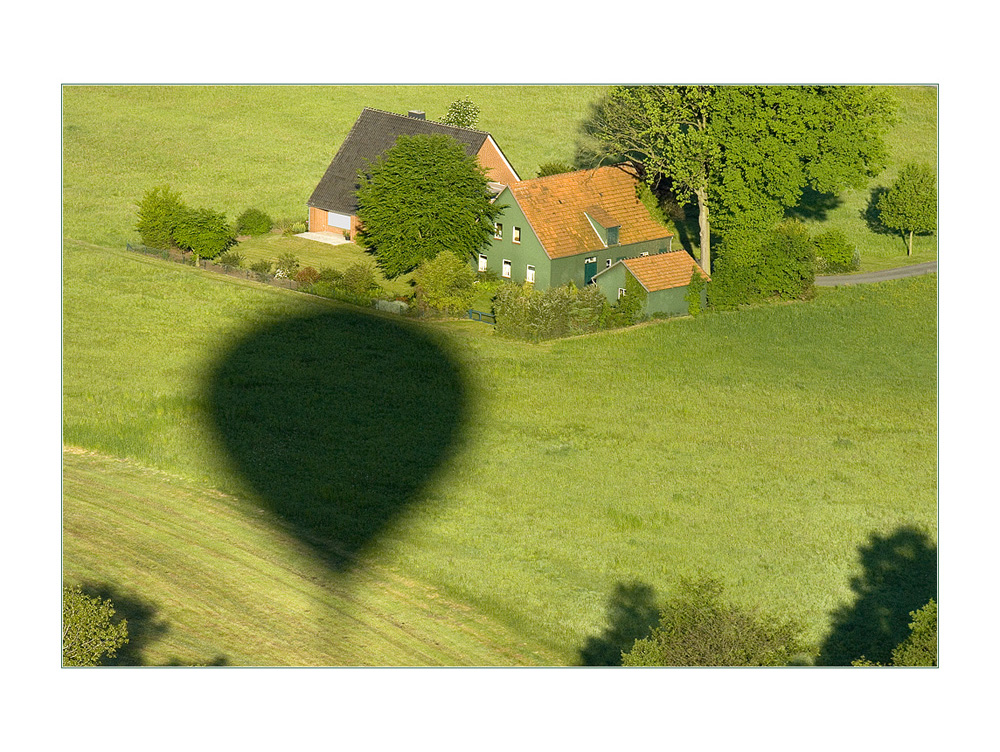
pixel 517 235
pixel 621 293
pixel 530 276
pixel 612 236
pixel 498 231
pixel 607 264
pixel 644 253
pixel 506 268
pixel 482 262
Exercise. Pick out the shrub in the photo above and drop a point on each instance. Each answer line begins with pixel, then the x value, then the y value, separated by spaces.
pixel 233 259
pixel 89 631
pixel 698 628
pixel 834 254
pixel 445 283
pixel 204 232
pixel 261 270
pixel 523 312
pixel 307 275
pixel 287 266
pixel 329 274
pixel 159 213
pixel 361 280
pixel 693 295
pixel 920 647
pixel 553 168
pixel 253 222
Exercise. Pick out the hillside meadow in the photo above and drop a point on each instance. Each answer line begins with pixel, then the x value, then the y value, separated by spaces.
pixel 509 499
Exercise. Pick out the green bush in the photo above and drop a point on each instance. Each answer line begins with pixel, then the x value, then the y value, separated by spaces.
pixel 204 232
pixel 261 270
pixel 920 647
pixel 694 290
pixel 253 222
pixel 445 283
pixel 329 274
pixel 89 631
pixel 834 254
pixel 233 259
pixel 698 628
pixel 523 312
pixel 360 280
pixel 159 214
pixel 287 266
pixel 553 168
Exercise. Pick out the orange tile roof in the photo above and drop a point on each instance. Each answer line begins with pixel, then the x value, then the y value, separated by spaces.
pixel 662 271
pixel 555 207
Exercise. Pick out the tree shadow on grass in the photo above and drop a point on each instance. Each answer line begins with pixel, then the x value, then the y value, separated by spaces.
pixel 814 205
pixel 900 576
pixel 632 613
pixel 871 215
pixel 337 421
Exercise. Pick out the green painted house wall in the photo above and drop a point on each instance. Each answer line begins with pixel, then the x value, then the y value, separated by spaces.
pixel 550 272
pixel 612 281
pixel 670 302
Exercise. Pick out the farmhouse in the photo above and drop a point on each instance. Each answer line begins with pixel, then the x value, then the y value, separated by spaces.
pixel 333 205
pixel 664 278
pixel 571 227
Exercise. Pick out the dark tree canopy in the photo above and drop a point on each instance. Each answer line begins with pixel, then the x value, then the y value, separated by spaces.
pixel 421 197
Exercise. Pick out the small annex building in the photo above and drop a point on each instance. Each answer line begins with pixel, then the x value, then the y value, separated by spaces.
pixel 570 227
pixel 663 276
pixel 333 205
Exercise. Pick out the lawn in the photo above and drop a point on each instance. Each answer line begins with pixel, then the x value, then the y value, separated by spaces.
pixel 529 490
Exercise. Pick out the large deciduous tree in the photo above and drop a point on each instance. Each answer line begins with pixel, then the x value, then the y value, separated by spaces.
pixel 462 113
pixel 910 204
pixel 421 197
pixel 743 154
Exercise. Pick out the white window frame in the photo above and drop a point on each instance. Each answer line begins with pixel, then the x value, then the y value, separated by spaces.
pixel 621 293
pixel 607 263
pixel 498 231
pixel 529 275
pixel 644 253
pixel 505 270
pixel 483 262
pixel 516 236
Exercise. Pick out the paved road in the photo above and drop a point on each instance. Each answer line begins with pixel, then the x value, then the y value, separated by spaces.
pixel 836 280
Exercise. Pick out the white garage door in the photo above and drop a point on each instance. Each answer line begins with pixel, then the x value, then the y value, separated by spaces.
pixel 338 220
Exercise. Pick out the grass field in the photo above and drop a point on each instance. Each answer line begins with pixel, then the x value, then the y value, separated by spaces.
pixel 790 450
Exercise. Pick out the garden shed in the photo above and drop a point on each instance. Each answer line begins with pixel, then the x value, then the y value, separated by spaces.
pixel 662 277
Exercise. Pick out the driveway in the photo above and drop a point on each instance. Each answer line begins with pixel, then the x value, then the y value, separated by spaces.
pixel 837 280
pixel 333 238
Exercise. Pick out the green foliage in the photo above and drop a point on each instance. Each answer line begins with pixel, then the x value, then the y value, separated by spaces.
pixel 462 113
pixel 204 232
pixel 287 266
pixel 159 214
pixel 920 647
pixel 779 264
pixel 834 254
pixel 522 312
pixel 553 168
pixel 628 309
pixel 261 270
pixel 360 280
pixel 694 292
pixel 253 222
pixel 910 204
pixel 89 632
pixel 698 628
pixel 329 274
pixel 745 151
pixel 233 259
pixel 445 283
pixel 424 196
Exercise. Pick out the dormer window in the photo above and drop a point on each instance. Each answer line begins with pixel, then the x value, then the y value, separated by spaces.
pixel 613 236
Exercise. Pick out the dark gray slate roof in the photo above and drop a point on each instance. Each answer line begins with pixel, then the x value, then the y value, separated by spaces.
pixel 374 132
